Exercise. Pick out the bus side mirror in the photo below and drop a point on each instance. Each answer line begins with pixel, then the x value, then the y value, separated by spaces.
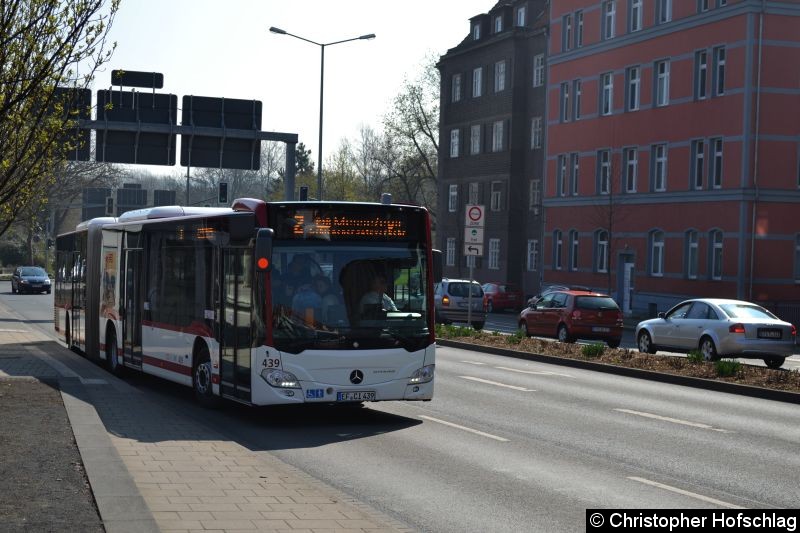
pixel 264 249
pixel 437 266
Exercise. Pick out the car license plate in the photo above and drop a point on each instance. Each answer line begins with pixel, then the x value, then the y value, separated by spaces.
pixel 769 334
pixel 598 329
pixel 356 396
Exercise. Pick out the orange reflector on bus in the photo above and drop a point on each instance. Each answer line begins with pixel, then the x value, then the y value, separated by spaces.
pixel 263 263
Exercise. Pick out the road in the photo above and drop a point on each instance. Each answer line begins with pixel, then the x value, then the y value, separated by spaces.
pixel 511 445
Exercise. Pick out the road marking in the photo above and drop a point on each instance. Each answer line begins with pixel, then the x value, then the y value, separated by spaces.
pixel 673 420
pixel 523 389
pixel 473 362
pixel 15 331
pixel 686 493
pixel 464 428
pixel 538 373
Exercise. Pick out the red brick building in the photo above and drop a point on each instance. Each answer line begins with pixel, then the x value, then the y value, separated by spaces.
pixel 673 150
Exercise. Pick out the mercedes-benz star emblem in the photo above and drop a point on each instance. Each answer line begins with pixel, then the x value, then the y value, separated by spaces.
pixel 356 377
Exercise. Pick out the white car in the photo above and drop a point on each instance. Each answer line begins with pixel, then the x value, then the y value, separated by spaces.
pixel 719 328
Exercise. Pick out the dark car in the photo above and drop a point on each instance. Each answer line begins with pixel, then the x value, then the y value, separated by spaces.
pixel 451 299
pixel 499 296
pixel 569 315
pixel 30 279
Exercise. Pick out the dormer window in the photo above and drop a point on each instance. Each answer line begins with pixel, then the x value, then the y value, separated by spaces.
pixel 498 24
pixel 521 16
pixel 476 32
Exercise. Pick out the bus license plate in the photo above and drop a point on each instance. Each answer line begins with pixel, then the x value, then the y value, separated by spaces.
pixel 356 396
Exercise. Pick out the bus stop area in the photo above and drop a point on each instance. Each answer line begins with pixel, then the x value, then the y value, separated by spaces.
pixel 81 450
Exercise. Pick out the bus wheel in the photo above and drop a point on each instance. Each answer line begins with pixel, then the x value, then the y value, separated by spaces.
pixel 201 379
pixel 111 353
pixel 67 338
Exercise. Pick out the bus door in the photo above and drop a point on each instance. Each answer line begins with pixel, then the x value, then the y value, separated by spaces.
pixel 234 308
pixel 77 274
pixel 132 315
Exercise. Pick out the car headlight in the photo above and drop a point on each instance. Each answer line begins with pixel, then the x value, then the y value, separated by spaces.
pixel 24 281
pixel 422 375
pixel 47 281
pixel 280 378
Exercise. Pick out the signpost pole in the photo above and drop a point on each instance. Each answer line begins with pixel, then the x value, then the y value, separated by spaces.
pixel 469 297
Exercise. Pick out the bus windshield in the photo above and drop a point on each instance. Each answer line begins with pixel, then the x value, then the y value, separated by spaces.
pixel 349 296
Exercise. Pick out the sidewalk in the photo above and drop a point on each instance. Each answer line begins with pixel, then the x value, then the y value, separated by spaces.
pixel 149 468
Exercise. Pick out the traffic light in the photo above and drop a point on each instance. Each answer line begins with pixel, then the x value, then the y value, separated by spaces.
pixel 223 192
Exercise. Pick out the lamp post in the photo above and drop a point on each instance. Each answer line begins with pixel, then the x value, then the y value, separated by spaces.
pixel 322 46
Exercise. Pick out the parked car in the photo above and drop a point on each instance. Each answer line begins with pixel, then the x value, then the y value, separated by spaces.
pixel 551 288
pixel 498 296
pixel 719 328
pixel 30 279
pixel 572 314
pixel 451 298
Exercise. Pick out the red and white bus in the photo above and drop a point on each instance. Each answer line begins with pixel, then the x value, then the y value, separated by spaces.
pixel 220 299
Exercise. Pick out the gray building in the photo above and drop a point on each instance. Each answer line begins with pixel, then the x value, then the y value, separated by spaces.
pixel 491 148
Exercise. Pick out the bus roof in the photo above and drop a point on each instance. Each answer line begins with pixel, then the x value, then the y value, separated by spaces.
pixel 170 211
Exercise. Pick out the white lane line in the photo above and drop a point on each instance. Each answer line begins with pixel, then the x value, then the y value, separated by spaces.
pixel 473 362
pixel 673 420
pixel 496 384
pixel 534 372
pixel 464 428
pixel 686 493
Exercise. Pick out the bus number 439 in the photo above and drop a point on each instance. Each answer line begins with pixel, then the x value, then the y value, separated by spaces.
pixel 272 363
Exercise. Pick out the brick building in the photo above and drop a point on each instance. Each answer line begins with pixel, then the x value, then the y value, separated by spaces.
pixel 673 150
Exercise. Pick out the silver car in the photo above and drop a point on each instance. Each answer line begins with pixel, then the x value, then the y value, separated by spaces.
pixel 719 328
pixel 451 298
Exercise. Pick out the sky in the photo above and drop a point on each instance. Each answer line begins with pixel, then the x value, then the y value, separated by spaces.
pixel 223 48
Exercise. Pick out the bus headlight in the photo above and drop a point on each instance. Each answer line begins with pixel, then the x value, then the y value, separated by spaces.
pixel 280 378
pixel 422 375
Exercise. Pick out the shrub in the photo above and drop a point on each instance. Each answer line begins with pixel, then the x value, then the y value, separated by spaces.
pixel 593 350
pixel 695 356
pixel 515 338
pixel 726 367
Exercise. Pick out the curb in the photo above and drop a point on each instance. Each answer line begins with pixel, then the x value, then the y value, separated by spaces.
pixel 699 383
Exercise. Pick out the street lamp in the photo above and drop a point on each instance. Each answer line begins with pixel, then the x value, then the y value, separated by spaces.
pixel 322 46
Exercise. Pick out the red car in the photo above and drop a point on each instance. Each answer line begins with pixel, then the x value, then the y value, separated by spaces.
pixel 498 296
pixel 569 315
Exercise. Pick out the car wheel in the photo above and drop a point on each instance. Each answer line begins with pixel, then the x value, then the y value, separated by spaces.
pixel 47 291
pixel 774 362
pixel 563 334
pixel 201 379
pixel 489 307
pixel 613 343
pixel 13 289
pixel 645 343
pixel 477 325
pixel 67 338
pixel 708 349
pixel 523 328
pixel 111 353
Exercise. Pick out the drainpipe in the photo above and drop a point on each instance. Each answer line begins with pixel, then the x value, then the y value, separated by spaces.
pixel 756 145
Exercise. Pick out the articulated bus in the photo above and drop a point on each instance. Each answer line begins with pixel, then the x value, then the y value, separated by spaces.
pixel 225 299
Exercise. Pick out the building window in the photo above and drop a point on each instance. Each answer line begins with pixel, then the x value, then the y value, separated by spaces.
pixel 698 164
pixel 521 16
pixel 451 251
pixel 565 110
pixel 456 95
pixel 573 250
pixel 557 245
pixel 497 136
pixel 452 199
pixel 533 255
pixel 662 83
pixel 607 93
pixel 476 32
pixel 562 175
pixel 657 253
pixel 566 32
pixel 497 196
pixel 471 261
pixel 702 5
pixel 700 74
pixel 609 19
pixel 577 89
pixel 453 143
pixel 635 15
pixel 494 254
pixel 691 254
pixel 499 76
pixel 716 254
pixel 722 3
pixel 663 11
pixel 602 251
pixel 473 193
pixel 634 85
pixel 477 82
pixel 475 139
pixel 538 70
pixel 797 258
pixel 578 29
pixel 534 194
pixel 536 132
pixel 603 171
pixel 715 172
pixel 574 173
pixel 631 168
pixel 658 158
pixel 498 24
pixel 719 71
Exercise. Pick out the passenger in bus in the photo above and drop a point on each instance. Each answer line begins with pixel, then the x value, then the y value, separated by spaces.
pixel 376 298
pixel 307 304
pixel 329 299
